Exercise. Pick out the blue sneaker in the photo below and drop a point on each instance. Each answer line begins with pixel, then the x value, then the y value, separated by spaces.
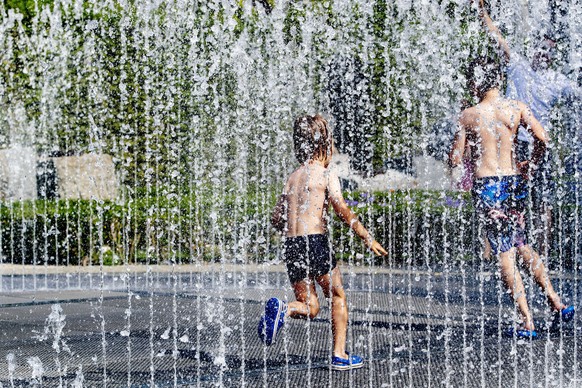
pixel 352 362
pixel 273 320
pixel 521 333
pixel 568 314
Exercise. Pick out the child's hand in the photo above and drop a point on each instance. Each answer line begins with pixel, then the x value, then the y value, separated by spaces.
pixel 526 169
pixel 377 248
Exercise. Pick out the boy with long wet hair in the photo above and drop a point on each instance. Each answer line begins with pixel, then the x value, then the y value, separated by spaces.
pixel 301 214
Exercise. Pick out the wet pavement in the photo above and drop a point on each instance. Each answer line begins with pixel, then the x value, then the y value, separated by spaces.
pixel 197 326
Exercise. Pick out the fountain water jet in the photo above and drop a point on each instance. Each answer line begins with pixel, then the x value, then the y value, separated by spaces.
pixel 194 102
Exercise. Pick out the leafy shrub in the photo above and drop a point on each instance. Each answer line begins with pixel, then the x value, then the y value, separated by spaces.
pixel 195 228
pixel 417 227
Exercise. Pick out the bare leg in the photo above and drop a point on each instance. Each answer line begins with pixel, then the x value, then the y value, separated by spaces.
pixel 486 248
pixel 512 279
pixel 333 287
pixel 307 304
pixel 545 224
pixel 531 262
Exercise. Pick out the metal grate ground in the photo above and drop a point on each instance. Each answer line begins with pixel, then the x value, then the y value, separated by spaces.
pixel 193 330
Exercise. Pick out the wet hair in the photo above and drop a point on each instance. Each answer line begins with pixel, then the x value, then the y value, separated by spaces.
pixel 484 74
pixel 541 39
pixel 312 139
pixel 547 46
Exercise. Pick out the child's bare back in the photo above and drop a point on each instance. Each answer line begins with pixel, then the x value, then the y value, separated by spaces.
pixel 307 203
pixel 490 129
pixel 303 207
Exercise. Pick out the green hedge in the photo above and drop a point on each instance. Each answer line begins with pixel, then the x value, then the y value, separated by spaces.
pixel 207 227
pixel 413 225
pixel 417 227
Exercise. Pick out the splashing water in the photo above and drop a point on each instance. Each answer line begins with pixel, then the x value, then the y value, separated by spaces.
pixel 53 329
pixel 10 358
pixel 157 271
pixel 37 370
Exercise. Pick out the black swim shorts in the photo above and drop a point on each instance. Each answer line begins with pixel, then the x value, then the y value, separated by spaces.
pixel 308 257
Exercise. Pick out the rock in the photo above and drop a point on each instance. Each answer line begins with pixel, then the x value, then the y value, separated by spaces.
pixel 24 177
pixel 390 180
pixel 89 176
pixel 431 173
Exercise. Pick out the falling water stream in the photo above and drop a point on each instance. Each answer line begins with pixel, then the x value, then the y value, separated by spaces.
pixel 192 102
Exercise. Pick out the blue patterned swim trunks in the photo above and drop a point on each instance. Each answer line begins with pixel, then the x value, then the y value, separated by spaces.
pixel 500 202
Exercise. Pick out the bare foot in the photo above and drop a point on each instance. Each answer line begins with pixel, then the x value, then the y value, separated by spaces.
pixel 528 324
pixel 555 302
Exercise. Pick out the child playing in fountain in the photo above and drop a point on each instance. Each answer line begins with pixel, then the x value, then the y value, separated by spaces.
pixel 500 186
pixel 301 214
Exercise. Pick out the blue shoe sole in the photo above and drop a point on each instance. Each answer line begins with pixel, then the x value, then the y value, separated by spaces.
pixel 272 322
pixel 564 316
pixel 346 367
pixel 521 333
pixel 568 314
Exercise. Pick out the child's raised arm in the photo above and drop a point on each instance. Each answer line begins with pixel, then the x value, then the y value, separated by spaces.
pixel 493 29
pixel 349 217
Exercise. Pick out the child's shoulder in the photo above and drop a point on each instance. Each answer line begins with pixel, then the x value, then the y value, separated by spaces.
pixel 469 111
pixel 308 174
pixel 469 115
pixel 309 169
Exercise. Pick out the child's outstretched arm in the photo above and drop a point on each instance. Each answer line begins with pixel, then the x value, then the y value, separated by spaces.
pixel 279 216
pixel 349 217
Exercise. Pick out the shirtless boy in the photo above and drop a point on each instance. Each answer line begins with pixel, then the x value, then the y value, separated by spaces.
pixel 500 188
pixel 302 214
